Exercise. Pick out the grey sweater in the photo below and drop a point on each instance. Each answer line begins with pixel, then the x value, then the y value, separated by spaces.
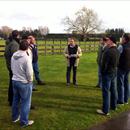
pixel 21 66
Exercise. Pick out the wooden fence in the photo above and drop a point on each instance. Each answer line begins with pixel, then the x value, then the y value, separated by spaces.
pixel 57 47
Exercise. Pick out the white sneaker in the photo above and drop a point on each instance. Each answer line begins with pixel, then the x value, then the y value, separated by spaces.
pixel 99 111
pixel 30 122
pixel 16 119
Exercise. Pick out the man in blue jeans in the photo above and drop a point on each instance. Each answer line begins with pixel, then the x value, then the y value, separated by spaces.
pixel 123 71
pixel 34 51
pixel 108 70
pixel 21 66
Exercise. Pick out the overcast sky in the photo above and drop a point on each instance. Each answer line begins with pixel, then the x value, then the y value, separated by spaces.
pixel 32 13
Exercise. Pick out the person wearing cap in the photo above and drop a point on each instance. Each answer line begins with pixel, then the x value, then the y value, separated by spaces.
pixel 12 45
pixel 123 70
pixel 109 64
pixel 34 53
pixel 72 53
pixel 21 66
pixel 101 49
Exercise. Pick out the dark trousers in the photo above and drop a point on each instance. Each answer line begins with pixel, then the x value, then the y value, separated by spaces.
pixel 99 76
pixel 74 73
pixel 10 89
pixel 123 86
pixel 109 92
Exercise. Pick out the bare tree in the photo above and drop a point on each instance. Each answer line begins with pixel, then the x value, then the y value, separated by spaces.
pixel 43 30
pixel 6 30
pixel 85 21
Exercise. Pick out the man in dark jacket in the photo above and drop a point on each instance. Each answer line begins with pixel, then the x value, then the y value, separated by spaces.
pixel 12 45
pixel 108 69
pixel 123 70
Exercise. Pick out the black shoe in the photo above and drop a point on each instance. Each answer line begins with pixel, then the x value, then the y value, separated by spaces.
pixel 40 82
pixel 75 84
pixel 98 86
pixel 32 107
pixel 68 84
pixel 34 89
pixel 10 104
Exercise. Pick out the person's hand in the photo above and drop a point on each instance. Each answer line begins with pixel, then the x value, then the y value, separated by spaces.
pixel 68 56
pixel 77 56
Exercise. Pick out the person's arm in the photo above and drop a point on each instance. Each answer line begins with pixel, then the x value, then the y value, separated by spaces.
pixel 13 48
pixel 79 54
pixel 104 62
pixel 29 70
pixel 66 52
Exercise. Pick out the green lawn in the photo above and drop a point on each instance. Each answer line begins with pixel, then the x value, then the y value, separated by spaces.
pixel 59 107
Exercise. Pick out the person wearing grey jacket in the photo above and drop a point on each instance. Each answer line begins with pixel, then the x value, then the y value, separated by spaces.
pixel 21 66
pixel 12 45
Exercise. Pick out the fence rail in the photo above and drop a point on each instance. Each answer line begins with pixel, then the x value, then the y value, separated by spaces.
pixel 57 47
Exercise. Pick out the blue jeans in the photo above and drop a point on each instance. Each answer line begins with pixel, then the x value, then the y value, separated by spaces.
pixel 36 71
pixel 21 101
pixel 99 76
pixel 109 92
pixel 122 86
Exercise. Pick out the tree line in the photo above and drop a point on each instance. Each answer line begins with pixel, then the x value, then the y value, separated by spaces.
pixel 84 23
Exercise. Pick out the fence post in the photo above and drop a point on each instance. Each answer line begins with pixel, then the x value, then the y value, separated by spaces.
pixel 52 49
pixel 94 46
pixel 45 47
pixel 89 48
pixel 60 47
pixel 85 46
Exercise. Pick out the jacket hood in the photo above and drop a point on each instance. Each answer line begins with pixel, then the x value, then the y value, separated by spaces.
pixel 19 54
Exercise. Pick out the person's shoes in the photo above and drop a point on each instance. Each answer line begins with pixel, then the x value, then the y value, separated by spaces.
pixel 34 89
pixel 68 84
pixel 114 109
pixel 120 104
pixel 32 107
pixel 40 82
pixel 10 104
pixel 30 122
pixel 126 103
pixel 14 121
pixel 98 86
pixel 99 111
pixel 75 84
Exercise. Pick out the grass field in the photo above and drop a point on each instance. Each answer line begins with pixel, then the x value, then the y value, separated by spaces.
pixel 59 107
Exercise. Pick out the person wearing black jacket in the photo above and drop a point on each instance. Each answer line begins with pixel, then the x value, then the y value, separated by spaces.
pixel 108 69
pixel 72 53
pixel 123 70
pixel 12 45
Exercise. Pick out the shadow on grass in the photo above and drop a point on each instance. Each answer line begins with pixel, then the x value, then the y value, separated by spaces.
pixel 68 103
pixel 68 98
pixel 89 108
pixel 63 84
